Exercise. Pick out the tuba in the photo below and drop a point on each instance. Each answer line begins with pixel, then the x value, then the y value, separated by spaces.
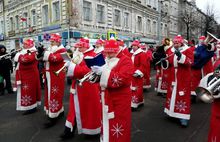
pixel 210 93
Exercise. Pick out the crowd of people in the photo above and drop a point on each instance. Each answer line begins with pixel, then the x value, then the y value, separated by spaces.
pixel 102 96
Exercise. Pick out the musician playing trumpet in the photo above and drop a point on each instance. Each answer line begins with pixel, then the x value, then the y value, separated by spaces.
pixel 202 65
pixel 27 78
pixel 84 107
pixel 54 87
pixel 178 91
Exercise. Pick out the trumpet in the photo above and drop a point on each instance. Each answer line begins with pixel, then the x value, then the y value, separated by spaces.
pixel 58 71
pixel 90 75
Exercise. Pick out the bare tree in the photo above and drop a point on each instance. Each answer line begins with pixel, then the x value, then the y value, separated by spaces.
pixel 210 22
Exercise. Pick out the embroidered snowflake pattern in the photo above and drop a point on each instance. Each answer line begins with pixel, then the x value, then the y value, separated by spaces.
pixel 181 106
pixel 25 100
pixel 53 105
pixel 54 90
pixel 54 58
pixel 134 99
pixel 164 85
pixel 214 139
pixel 116 81
pixel 117 130
pixel 25 86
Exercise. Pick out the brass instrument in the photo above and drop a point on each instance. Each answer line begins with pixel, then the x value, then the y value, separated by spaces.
pixel 208 95
pixel 89 76
pixel 58 71
pixel 211 38
pixel 8 55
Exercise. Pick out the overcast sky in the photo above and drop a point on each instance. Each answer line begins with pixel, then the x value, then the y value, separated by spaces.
pixel 202 4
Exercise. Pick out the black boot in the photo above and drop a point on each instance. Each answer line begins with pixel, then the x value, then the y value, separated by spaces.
pixel 30 111
pixel 51 122
pixel 67 134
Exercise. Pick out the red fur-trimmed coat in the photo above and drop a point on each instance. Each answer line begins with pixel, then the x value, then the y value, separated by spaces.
pixel 178 92
pixel 27 80
pixel 54 87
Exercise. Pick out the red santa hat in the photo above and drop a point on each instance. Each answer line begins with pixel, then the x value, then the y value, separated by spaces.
pixel 178 39
pixel 111 46
pixel 86 40
pixel 121 43
pixel 202 38
pixel 99 41
pixel 83 42
pixel 55 37
pixel 29 43
pixel 135 43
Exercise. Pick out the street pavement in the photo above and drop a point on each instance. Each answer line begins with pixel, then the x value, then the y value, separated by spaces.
pixel 149 123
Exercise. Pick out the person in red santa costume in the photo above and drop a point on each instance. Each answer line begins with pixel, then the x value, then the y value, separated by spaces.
pixel 207 81
pixel 27 78
pixel 139 63
pixel 148 55
pixel 99 46
pixel 203 54
pixel 84 107
pixel 54 87
pixel 124 48
pixel 115 81
pixel 178 92
pixel 161 74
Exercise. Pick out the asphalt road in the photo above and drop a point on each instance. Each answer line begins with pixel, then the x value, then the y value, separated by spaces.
pixel 149 123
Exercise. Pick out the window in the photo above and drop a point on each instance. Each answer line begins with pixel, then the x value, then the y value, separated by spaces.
pixel 149 26
pixel 56 11
pixel 45 15
pixel 25 15
pixel 139 23
pixel 100 13
pixel 1 27
pixel 87 11
pixel 154 27
pixel 117 18
pixel 11 24
pixel 16 22
pixel 126 19
pixel 33 17
pixel 166 30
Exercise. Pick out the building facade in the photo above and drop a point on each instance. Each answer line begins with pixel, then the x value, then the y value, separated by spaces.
pixel 147 20
pixel 34 18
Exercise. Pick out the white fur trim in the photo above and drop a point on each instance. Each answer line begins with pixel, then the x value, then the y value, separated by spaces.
pixel 139 50
pixel 146 86
pixel 22 108
pixel 99 50
pixel 91 131
pixel 135 105
pixel 139 73
pixel 53 115
pixel 71 69
pixel 69 125
pixel 46 55
pixel 17 57
pixel 182 59
pixel 177 115
pixel 105 77
pixel 111 115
